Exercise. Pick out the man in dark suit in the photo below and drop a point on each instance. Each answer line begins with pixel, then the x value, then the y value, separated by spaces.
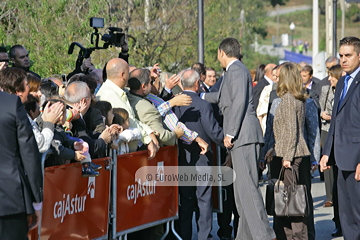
pixel 77 94
pixel 343 140
pixel 200 118
pixel 329 62
pixel 21 176
pixel 267 80
pixel 311 83
pixel 242 137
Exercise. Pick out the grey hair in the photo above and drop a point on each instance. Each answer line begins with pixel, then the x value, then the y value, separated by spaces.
pixel 190 80
pixel 76 91
pixel 332 59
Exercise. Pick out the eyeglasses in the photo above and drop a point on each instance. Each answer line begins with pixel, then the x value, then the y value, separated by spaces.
pixel 4 60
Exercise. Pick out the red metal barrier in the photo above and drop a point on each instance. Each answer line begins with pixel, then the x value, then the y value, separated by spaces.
pixel 75 207
pixel 140 204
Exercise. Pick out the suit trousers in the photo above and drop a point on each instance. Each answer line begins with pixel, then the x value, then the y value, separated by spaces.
pixel 349 207
pixel 229 208
pixel 299 228
pixel 336 218
pixel 14 227
pixel 190 196
pixel 253 221
pixel 329 184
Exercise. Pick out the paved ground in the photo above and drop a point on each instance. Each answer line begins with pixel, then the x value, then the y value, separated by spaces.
pixel 285 10
pixel 323 223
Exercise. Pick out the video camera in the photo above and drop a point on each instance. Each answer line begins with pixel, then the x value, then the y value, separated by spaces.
pixel 115 37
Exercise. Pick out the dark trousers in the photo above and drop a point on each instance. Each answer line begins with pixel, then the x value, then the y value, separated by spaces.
pixel 300 228
pixel 189 196
pixel 14 227
pixel 329 184
pixel 229 208
pixel 349 207
pixel 336 218
pixel 224 218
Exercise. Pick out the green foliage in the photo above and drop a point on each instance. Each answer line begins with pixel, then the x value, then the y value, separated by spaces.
pixel 47 27
pixel 353 13
pixel 252 60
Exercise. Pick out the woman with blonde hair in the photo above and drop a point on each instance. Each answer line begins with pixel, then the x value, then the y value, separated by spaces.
pixel 290 146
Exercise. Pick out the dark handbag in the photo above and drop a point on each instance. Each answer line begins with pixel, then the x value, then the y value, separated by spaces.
pixel 291 200
pixel 269 197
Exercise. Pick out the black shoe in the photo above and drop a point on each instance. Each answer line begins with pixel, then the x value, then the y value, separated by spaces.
pixel 95 166
pixel 87 171
pixel 337 232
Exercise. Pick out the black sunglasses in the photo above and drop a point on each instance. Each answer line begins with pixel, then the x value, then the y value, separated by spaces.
pixel 4 60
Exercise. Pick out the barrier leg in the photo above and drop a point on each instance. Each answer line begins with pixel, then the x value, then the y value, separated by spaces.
pixel 166 231
pixel 174 231
pixel 113 194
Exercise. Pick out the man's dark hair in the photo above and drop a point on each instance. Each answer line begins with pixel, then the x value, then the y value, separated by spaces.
pixel 49 89
pixel 260 72
pixel 138 77
pixel 210 69
pixel 307 68
pixel 353 41
pixel 30 104
pixel 13 49
pixel 199 68
pixel 3 49
pixel 11 80
pixel 104 108
pixel 231 47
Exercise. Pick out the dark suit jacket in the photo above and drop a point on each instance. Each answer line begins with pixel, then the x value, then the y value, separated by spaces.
pixel 203 88
pixel 21 175
pixel 217 85
pixel 344 132
pixel 166 96
pixel 315 91
pixel 257 91
pixel 94 122
pixel 198 117
pixel 81 130
pixel 235 100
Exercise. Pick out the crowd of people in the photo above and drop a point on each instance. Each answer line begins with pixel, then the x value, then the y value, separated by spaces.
pixel 276 117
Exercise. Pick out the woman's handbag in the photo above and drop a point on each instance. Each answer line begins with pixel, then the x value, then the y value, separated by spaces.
pixel 290 200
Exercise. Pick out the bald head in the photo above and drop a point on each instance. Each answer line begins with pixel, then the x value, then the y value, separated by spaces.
pixel 268 70
pixel 117 71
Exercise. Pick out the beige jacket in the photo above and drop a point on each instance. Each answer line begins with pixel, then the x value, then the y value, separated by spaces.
pixel 289 121
pixel 146 112
pixel 110 92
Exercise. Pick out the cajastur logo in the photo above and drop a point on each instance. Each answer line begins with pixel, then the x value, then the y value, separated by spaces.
pixel 71 205
pixel 91 187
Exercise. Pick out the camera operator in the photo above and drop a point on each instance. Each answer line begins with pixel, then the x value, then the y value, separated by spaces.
pixel 19 57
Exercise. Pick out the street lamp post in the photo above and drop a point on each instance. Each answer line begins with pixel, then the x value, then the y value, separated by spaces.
pixel 292 28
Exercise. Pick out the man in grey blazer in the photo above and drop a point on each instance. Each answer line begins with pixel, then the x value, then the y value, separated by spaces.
pixel 242 138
